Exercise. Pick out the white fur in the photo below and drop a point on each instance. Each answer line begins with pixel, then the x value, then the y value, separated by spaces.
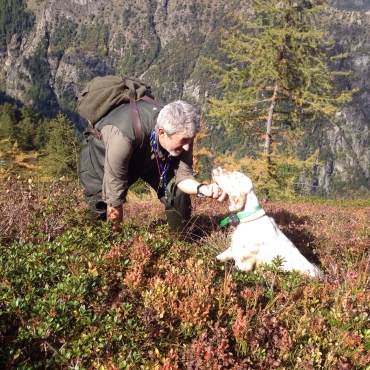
pixel 257 239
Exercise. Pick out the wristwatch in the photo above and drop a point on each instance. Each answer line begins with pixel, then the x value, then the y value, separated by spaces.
pixel 199 194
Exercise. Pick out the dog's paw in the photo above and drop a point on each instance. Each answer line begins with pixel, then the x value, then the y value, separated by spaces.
pixel 225 256
pixel 245 265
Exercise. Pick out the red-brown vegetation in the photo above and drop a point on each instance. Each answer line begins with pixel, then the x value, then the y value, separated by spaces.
pixel 76 295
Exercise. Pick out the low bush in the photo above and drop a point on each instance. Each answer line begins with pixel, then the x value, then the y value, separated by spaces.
pixel 75 295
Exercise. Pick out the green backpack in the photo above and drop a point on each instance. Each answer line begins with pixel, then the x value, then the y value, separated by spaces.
pixel 103 94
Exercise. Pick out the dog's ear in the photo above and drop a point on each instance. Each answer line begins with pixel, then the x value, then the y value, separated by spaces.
pixel 245 182
pixel 236 202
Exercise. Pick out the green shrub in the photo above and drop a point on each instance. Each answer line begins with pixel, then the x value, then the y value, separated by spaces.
pixel 74 294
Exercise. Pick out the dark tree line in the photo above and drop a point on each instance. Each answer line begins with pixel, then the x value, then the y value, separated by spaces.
pixel 57 140
pixel 22 125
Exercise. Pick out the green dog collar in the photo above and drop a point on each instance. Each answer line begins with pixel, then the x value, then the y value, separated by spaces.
pixel 241 215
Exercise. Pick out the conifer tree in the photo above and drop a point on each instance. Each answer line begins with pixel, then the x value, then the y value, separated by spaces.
pixel 279 74
pixel 200 151
pixel 31 129
pixel 26 134
pixel 62 148
pixel 9 117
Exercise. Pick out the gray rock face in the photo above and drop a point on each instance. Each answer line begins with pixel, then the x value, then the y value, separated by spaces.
pixel 163 41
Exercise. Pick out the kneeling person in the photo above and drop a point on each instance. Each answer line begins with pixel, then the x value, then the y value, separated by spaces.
pixel 111 163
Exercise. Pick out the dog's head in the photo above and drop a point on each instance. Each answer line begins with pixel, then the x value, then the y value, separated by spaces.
pixel 235 184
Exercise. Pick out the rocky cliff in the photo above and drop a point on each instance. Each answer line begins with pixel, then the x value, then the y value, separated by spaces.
pixel 344 141
pixel 162 42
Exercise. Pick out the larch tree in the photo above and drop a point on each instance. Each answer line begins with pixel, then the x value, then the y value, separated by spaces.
pixel 279 74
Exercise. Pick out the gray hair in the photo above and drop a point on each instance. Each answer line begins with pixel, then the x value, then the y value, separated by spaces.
pixel 179 116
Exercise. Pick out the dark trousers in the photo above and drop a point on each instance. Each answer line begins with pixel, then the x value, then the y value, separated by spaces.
pixel 177 204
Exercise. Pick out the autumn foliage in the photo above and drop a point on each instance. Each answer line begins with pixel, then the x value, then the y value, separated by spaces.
pixel 76 295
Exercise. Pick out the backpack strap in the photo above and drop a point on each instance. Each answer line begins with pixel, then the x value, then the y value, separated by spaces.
pixel 150 100
pixel 93 132
pixel 135 119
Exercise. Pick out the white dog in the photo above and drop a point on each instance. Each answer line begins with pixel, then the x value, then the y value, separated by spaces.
pixel 256 239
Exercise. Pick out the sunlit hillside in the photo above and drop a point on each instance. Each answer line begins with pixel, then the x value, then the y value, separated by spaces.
pixel 77 295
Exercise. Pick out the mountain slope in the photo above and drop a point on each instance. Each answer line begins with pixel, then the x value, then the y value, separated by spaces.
pixel 61 44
